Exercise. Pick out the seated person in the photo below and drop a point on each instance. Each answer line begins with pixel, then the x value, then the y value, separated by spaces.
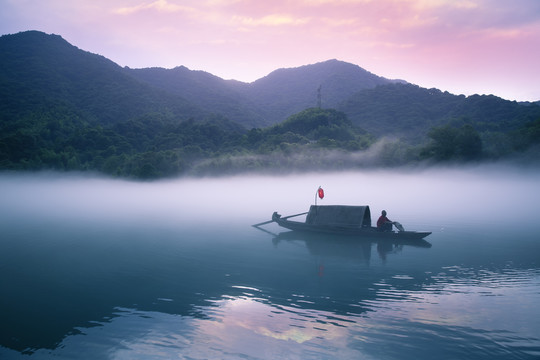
pixel 384 224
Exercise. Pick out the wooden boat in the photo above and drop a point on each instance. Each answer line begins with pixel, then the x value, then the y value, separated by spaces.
pixel 342 220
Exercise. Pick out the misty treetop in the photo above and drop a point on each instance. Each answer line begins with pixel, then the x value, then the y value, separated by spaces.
pixel 66 109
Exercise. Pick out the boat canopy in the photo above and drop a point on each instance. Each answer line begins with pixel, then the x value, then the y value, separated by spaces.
pixel 341 215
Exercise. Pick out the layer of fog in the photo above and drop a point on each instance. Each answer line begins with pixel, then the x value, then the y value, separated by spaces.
pixel 386 152
pixel 426 199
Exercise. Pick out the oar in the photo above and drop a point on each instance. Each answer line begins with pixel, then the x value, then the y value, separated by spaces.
pixel 266 231
pixel 263 223
pixel 290 216
pixel 286 217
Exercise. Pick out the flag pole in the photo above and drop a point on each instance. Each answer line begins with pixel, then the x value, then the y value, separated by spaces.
pixel 319 193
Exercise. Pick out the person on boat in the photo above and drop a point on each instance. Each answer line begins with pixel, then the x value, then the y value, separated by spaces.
pixel 384 223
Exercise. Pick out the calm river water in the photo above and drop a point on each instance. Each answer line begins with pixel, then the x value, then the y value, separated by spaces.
pixel 92 268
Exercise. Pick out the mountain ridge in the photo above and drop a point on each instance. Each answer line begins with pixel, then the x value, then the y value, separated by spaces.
pixel 270 99
pixel 74 75
pixel 65 108
pixel 48 67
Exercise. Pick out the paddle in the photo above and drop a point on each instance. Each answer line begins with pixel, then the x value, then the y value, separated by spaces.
pixel 290 216
pixel 263 223
pixel 286 217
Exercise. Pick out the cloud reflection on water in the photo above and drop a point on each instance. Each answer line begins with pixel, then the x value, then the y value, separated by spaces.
pixel 242 327
pixel 250 326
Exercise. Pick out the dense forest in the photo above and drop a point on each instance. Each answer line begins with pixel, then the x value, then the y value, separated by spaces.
pixel 66 109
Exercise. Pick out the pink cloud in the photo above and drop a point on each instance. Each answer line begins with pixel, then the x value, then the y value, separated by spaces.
pixel 440 43
pixel 160 5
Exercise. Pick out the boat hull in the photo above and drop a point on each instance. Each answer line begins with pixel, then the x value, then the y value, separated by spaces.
pixel 364 232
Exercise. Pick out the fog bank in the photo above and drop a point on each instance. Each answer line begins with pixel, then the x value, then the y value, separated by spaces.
pixel 486 196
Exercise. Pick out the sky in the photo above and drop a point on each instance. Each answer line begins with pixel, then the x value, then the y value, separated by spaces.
pixel 461 46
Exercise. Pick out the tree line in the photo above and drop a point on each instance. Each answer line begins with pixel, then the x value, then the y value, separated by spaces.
pixel 154 146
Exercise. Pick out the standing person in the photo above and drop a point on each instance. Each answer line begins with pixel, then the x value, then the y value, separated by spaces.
pixel 384 223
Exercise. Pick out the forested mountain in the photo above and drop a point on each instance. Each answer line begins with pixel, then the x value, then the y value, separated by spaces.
pixel 64 108
pixel 408 110
pixel 287 91
pixel 270 99
pixel 39 70
pixel 205 90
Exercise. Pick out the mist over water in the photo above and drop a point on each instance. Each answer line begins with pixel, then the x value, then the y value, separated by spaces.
pixel 120 269
pixel 430 197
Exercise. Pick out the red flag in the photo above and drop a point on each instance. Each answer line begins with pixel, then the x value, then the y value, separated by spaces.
pixel 321 192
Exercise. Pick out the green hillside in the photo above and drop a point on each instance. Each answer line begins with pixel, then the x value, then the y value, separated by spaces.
pixel 285 92
pixel 39 71
pixel 410 111
pixel 204 90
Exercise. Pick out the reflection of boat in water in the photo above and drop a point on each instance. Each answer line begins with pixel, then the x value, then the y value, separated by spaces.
pixel 328 245
pixel 343 220
pixel 347 239
pixel 347 246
